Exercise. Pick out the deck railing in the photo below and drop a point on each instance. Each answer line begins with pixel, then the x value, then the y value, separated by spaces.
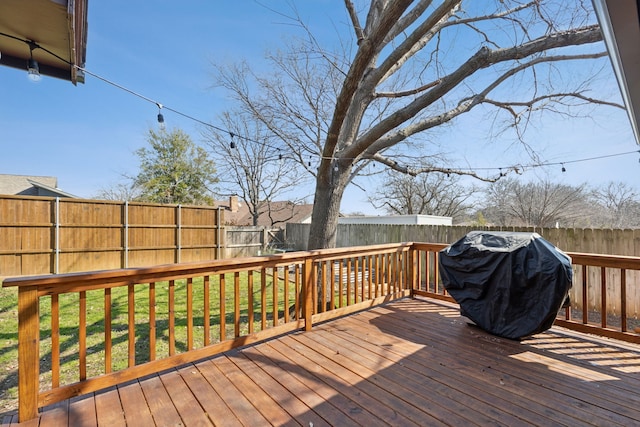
pixel 82 332
pixel 109 327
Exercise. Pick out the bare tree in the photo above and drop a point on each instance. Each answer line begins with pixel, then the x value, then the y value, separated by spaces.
pixel 254 169
pixel 619 205
pixel 122 191
pixel 410 68
pixel 428 194
pixel 535 204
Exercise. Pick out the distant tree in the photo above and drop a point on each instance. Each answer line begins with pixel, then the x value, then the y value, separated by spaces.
pixel 535 204
pixel 427 194
pixel 252 168
pixel 619 205
pixel 122 191
pixel 174 170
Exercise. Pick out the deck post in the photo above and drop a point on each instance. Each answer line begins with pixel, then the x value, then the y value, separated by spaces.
pixel 307 285
pixel 28 353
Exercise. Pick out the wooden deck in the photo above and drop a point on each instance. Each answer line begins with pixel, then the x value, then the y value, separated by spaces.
pixel 411 362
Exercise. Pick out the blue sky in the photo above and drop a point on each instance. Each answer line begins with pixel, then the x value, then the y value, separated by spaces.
pixel 86 135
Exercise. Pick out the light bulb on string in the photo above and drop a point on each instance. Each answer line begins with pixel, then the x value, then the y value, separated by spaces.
pixel 33 70
pixel 563 168
pixel 232 144
pixel 161 117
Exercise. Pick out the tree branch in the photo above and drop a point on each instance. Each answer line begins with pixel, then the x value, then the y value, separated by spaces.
pixel 354 20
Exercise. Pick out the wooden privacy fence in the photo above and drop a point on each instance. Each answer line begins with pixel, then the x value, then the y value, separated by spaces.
pixel 44 235
pixel 584 240
pixel 250 241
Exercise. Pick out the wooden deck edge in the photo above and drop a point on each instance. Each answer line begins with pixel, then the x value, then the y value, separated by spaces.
pixel 97 383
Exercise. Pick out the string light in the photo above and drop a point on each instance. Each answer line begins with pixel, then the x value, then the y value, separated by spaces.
pixel 34 74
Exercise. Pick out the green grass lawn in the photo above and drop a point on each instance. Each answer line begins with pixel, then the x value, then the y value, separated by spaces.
pixel 69 348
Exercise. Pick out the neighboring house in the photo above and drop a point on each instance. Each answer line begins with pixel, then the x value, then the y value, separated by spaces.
pixel 237 213
pixel 24 185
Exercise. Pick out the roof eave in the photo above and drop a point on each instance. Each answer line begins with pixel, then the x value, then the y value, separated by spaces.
pixel 620 26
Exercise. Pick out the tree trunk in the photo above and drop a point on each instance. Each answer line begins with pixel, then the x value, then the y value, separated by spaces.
pixel 330 186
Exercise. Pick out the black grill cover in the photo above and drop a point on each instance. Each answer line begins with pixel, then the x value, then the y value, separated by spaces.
pixel 509 284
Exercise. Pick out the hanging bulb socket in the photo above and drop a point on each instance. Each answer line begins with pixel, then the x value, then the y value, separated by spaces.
pixel 33 69
pixel 232 144
pixel 161 118
pixel 563 168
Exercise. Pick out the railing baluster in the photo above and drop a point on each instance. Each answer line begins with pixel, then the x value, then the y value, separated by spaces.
pixel 107 331
pixel 223 312
pixel 250 310
pixel 152 321
pixel 603 297
pixel 286 293
pixel 333 285
pixel 274 292
pixel 172 318
pixel 323 285
pixel 263 299
pixel 189 313
pixel 236 304
pixel 369 276
pixel 378 273
pixel 349 287
pixel 427 272
pixel 55 341
pixel 82 336
pixel 357 286
pixel 297 286
pixel 585 300
pixel 623 299
pixel 206 310
pixel 436 273
pixel 131 325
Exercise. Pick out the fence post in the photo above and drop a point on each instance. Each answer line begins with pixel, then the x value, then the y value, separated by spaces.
pixel 56 236
pixel 307 284
pixel 265 239
pixel 125 232
pixel 178 236
pixel 28 353
pixel 219 233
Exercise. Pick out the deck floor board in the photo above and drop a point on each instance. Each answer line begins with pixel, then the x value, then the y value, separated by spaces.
pixel 409 362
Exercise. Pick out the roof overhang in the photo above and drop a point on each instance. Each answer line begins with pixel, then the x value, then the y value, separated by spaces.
pixel 57 27
pixel 620 23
